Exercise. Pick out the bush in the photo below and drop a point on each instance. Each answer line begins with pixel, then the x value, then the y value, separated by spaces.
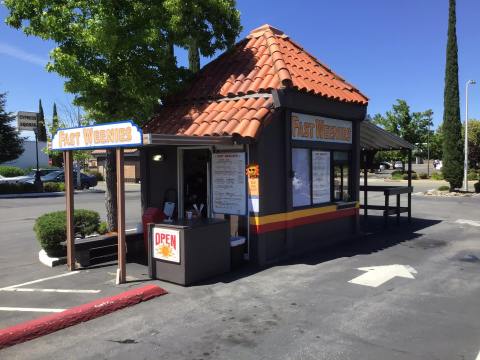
pixel 444 188
pixel 477 187
pixel 51 229
pixel 11 171
pixel 437 176
pixel 414 176
pixel 423 176
pixel 18 188
pixel 53 186
pixel 103 228
pixel 472 175
pixel 98 175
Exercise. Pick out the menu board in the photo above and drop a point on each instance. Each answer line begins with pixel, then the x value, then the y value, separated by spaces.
pixel 321 176
pixel 228 183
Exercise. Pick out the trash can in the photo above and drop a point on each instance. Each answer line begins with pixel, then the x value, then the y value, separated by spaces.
pixel 237 249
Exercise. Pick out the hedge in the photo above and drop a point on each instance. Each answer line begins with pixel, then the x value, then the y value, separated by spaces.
pixel 51 229
pixel 11 171
pixel 477 187
pixel 18 188
pixel 53 186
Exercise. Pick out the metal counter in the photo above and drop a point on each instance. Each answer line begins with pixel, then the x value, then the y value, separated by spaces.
pixel 188 251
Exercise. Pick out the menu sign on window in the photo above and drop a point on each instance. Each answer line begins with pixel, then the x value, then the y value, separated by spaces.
pixel 228 183
pixel 321 176
pixel 319 128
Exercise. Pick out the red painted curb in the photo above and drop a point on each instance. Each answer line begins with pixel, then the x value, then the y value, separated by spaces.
pixel 47 324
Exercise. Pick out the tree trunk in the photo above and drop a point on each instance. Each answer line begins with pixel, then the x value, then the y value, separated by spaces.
pixel 111 189
pixel 193 56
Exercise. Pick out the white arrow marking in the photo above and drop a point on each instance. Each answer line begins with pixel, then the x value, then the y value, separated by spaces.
pixel 377 275
pixel 468 222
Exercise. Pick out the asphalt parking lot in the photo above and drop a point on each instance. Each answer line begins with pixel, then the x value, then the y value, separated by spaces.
pixel 337 304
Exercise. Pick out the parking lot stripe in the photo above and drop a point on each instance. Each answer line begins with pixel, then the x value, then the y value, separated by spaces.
pixel 468 222
pixel 52 290
pixel 40 280
pixel 6 308
pixel 478 356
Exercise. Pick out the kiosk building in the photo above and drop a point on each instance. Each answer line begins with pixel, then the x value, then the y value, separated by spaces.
pixel 266 140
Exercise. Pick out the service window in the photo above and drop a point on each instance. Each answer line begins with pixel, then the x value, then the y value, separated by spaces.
pixel 341 176
pixel 301 185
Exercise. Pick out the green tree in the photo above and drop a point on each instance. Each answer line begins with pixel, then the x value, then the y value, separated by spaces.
pixel 412 127
pixel 473 143
pixel 42 131
pixel 56 156
pixel 117 56
pixel 10 142
pixel 436 144
pixel 452 127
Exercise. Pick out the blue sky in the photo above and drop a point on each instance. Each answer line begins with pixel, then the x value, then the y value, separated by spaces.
pixel 388 49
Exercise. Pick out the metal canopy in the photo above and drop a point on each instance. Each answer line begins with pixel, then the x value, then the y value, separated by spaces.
pixel 373 137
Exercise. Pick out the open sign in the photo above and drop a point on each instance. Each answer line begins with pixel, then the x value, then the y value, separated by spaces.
pixel 166 244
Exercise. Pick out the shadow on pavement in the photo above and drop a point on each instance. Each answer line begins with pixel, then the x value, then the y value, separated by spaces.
pixel 377 239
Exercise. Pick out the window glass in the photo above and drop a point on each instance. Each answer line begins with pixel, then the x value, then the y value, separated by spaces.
pixel 301 195
pixel 321 176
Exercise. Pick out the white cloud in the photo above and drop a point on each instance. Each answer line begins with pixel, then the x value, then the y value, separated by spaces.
pixel 22 55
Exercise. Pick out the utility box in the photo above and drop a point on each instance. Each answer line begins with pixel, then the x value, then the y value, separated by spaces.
pixel 188 251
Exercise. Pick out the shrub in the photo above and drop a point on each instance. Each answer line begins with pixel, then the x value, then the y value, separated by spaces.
pixel 51 228
pixel 18 188
pixel 477 187
pixel 102 228
pixel 437 176
pixel 414 176
pixel 423 176
pixel 444 188
pixel 472 175
pixel 53 186
pixel 98 175
pixel 11 171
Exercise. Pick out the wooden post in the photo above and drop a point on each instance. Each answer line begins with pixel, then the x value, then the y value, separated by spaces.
pixel 409 185
pixel 68 164
pixel 387 208
pixel 398 209
pixel 121 272
pixel 365 191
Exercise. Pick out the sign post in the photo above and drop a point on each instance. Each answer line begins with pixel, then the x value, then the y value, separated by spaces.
pixel 110 135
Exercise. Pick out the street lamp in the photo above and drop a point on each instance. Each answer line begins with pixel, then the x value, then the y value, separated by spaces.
pixel 465 164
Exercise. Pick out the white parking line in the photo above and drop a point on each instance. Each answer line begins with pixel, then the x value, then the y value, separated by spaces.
pixel 52 290
pixel 478 356
pixel 40 280
pixel 4 308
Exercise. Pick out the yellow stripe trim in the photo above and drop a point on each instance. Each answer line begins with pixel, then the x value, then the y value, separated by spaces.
pixel 267 219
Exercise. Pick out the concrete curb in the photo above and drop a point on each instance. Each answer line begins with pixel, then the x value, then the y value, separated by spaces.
pixel 48 194
pixel 47 324
pixel 51 261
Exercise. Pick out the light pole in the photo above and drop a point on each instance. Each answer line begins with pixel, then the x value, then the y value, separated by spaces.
pixel 465 164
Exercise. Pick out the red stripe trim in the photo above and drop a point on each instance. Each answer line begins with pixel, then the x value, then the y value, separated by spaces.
pixel 289 224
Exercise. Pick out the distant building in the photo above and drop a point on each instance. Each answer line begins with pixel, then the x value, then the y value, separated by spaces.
pixel 28 158
pixel 131 163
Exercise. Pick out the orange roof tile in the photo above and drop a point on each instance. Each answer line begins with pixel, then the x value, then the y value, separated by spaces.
pixel 266 59
pixel 241 117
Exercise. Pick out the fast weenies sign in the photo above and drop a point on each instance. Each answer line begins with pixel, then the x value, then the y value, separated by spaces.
pixel 119 134
pixel 319 128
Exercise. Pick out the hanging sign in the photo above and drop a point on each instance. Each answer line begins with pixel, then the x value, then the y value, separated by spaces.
pixel 321 177
pixel 120 134
pixel 228 183
pixel 318 128
pixel 253 173
pixel 166 244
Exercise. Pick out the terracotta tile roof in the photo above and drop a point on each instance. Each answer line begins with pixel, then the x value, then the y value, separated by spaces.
pixel 236 117
pixel 266 59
